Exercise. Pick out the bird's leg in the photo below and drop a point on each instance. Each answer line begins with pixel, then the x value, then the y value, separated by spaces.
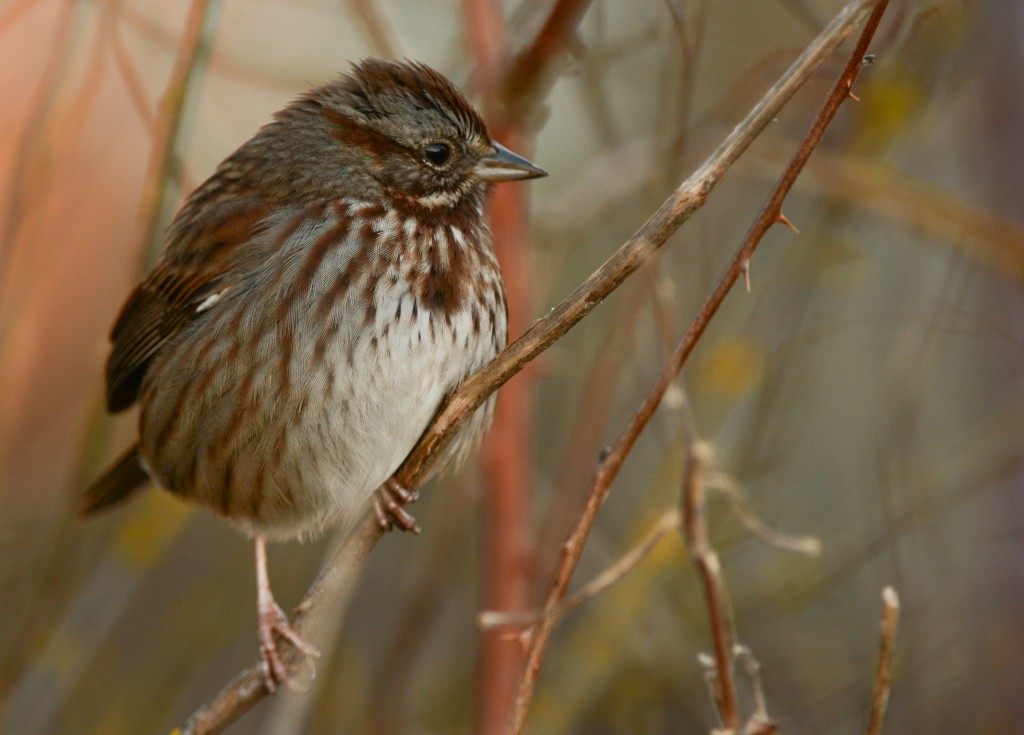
pixel 389 503
pixel 272 622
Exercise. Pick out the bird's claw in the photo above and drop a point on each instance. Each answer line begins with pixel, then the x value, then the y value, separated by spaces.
pixel 389 504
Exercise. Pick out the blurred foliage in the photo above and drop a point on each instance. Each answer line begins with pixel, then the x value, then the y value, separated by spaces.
pixel 867 391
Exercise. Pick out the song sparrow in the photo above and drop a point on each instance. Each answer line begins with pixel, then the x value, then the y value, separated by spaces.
pixel 316 300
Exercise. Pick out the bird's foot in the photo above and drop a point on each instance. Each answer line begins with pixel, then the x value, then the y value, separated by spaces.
pixel 273 624
pixel 389 503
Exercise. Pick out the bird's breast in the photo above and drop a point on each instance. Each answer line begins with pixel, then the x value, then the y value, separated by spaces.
pixel 302 391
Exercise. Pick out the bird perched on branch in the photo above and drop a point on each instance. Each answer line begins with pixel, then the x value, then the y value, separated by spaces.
pixel 316 300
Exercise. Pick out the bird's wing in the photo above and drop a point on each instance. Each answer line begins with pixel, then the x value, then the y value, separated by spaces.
pixel 196 266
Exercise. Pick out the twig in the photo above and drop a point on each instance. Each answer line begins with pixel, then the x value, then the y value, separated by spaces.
pixel 491 619
pixel 694 498
pixel 751 667
pixel 339 575
pixel 488 44
pixel 686 199
pixel 590 423
pixel 808 545
pixel 883 672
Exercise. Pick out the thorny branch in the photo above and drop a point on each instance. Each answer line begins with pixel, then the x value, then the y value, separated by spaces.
pixel 333 586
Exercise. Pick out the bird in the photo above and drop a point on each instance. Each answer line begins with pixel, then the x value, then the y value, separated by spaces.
pixel 316 300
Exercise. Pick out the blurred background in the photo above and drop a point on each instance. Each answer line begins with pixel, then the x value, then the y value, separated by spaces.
pixel 868 391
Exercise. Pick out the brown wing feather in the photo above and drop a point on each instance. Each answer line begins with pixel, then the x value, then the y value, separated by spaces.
pixel 197 262
pixel 117 482
pixel 155 312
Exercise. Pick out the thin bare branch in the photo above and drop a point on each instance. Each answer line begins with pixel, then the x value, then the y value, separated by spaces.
pixel 485 34
pixel 883 671
pixel 752 669
pixel 694 500
pixel 726 485
pixel 491 619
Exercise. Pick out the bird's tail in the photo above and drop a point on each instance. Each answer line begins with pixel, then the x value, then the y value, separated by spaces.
pixel 120 480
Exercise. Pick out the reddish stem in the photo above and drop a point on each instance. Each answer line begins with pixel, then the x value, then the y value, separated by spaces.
pixel 507 471
pixel 506 461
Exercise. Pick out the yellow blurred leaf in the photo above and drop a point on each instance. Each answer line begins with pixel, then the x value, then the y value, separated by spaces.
pixel 732 368
pixel 892 100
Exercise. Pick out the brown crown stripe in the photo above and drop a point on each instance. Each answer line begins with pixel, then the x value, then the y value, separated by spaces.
pixel 355 135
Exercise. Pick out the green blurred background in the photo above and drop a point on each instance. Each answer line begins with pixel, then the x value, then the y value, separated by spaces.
pixel 868 391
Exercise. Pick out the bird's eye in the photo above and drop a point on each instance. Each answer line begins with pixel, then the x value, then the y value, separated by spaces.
pixel 437 154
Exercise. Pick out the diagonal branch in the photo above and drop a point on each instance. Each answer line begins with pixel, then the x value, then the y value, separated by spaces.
pixel 334 584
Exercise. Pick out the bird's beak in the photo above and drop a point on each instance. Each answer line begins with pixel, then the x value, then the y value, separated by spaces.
pixel 504 165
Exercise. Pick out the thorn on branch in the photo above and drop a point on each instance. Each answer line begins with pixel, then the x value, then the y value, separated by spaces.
pixel 784 220
pixel 745 267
